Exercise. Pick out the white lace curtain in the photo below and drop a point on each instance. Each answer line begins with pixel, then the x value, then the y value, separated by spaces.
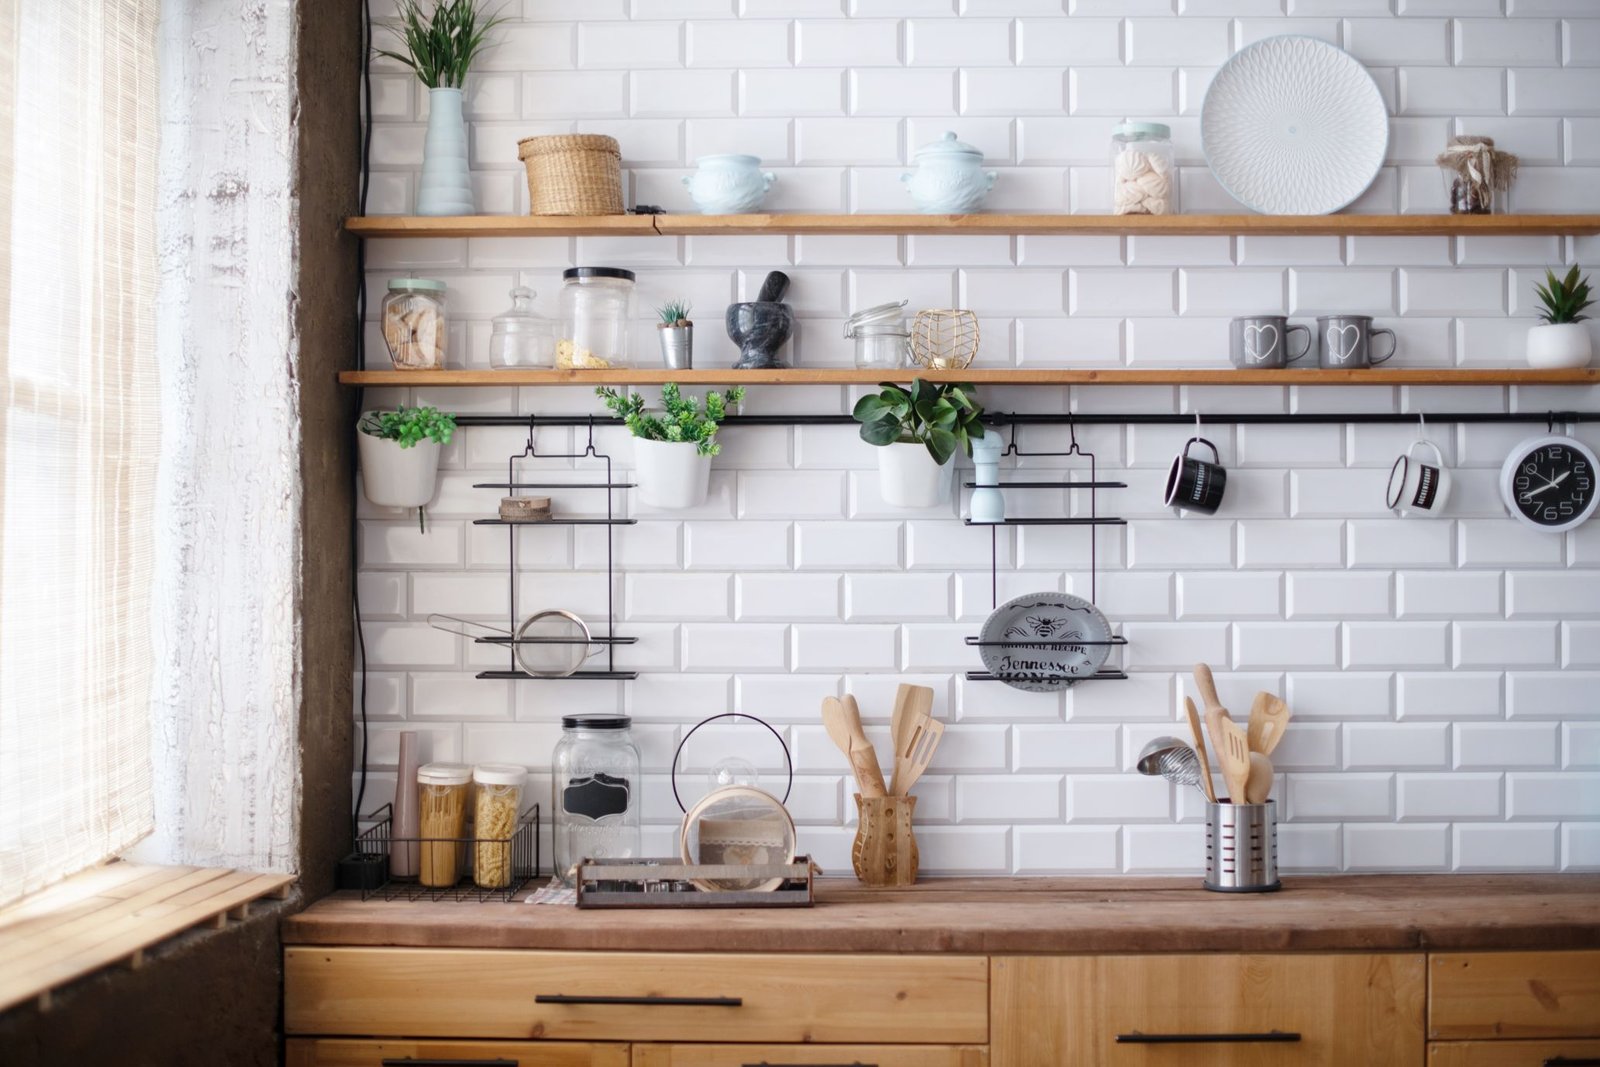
pixel 79 431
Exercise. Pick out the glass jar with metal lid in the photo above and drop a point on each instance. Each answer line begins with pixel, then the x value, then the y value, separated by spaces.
pixel 1144 178
pixel 881 337
pixel 595 779
pixel 596 318
pixel 414 324
pixel 519 337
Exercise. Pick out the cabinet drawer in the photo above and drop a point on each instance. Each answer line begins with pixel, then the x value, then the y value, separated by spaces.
pixel 335 1052
pixel 1514 994
pixel 1514 1054
pixel 1207 1010
pixel 809 1056
pixel 628 996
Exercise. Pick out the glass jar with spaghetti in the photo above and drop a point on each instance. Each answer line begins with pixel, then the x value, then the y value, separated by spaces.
pixel 494 822
pixel 442 821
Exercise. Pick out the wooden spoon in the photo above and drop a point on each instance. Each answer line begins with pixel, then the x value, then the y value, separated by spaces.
pixel 913 708
pixel 1206 785
pixel 1269 717
pixel 1258 786
pixel 845 718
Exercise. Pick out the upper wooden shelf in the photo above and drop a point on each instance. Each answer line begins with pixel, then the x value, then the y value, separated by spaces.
pixel 984 375
pixel 1164 225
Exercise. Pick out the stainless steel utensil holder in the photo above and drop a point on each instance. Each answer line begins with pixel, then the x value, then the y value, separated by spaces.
pixel 1242 847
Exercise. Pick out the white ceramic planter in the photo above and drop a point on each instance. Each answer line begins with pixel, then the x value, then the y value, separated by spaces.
pixel 1559 346
pixel 671 474
pixel 395 477
pixel 909 478
pixel 445 187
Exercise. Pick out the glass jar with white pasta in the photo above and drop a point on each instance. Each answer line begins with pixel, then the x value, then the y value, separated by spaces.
pixel 498 788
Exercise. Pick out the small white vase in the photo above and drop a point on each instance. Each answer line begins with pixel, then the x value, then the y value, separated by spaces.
pixel 445 187
pixel 671 474
pixel 1559 346
pixel 395 477
pixel 909 478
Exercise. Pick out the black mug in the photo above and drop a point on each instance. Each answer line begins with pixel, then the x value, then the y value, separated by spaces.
pixel 1196 484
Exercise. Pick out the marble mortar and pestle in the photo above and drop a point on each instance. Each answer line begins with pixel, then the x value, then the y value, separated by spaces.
pixel 760 326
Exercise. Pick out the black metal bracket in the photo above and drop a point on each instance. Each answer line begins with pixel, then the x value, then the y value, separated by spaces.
pixel 1094 418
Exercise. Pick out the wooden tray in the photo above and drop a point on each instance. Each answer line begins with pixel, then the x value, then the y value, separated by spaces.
pixel 668 883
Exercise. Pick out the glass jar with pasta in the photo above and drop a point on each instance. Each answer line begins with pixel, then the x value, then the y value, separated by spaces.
pixel 442 821
pixel 499 802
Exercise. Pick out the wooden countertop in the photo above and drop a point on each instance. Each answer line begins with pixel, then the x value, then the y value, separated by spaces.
pixel 1019 916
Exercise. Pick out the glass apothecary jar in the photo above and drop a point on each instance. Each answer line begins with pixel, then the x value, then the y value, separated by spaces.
pixel 414 323
pixel 495 807
pixel 442 790
pixel 882 339
pixel 595 771
pixel 520 338
pixel 1144 180
pixel 596 318
pixel 1477 175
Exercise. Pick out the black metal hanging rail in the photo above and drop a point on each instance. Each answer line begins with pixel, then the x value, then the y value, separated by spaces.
pixel 1092 418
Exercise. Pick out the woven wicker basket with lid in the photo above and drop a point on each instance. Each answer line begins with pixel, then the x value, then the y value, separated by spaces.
pixel 573 174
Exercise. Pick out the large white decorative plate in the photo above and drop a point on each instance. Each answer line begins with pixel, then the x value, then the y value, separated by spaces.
pixel 1294 126
pixel 1042 634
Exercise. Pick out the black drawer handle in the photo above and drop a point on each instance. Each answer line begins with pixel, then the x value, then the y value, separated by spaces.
pixel 407 1061
pixel 1273 1036
pixel 668 1002
pixel 1564 1061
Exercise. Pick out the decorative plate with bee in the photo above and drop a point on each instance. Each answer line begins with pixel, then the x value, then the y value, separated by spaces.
pixel 1043 642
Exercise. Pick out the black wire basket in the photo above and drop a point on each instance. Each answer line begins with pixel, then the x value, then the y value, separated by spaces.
pixel 375 843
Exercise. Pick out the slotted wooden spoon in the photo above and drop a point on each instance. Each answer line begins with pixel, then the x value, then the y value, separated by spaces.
pixel 1233 752
pixel 913 708
pixel 1269 717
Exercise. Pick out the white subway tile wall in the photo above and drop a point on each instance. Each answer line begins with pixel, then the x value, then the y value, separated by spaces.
pixel 1444 672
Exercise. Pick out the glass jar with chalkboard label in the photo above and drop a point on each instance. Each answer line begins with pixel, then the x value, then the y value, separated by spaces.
pixel 595 773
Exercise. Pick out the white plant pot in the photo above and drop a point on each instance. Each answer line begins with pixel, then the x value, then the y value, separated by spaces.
pixel 909 478
pixel 1559 346
pixel 671 474
pixel 395 477
pixel 445 187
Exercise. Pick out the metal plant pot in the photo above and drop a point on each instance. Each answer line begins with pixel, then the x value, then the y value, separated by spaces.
pixel 677 346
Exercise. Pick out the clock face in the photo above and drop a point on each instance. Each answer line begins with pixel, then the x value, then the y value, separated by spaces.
pixel 1550 482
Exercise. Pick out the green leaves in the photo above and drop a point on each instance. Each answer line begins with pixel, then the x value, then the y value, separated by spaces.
pixel 683 419
pixel 942 417
pixel 408 427
pixel 674 312
pixel 441 46
pixel 1565 299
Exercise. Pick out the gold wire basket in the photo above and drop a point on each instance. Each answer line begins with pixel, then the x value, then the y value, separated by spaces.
pixel 944 339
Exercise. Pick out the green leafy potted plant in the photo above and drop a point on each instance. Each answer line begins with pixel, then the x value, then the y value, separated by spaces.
pixel 672 449
pixel 400 455
pixel 677 335
pixel 1563 341
pixel 919 430
pixel 439 47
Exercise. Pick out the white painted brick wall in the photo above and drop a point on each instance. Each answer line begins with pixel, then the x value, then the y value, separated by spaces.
pixel 1443 672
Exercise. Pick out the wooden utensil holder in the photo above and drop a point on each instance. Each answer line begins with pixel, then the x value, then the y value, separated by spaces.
pixel 885 849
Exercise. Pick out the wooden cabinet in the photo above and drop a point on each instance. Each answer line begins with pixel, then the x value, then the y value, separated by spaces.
pixel 1334 1010
pixel 339 1052
pixel 809 1056
pixel 1513 994
pixel 1514 1054
pixel 621 996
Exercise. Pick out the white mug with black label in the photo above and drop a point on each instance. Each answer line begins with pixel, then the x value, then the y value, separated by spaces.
pixel 1418 488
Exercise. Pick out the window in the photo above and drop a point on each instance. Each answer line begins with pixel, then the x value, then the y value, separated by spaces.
pixel 79 431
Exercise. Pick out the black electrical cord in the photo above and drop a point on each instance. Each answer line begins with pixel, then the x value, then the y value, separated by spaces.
pixel 361 361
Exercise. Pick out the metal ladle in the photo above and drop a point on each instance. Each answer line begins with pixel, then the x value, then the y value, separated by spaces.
pixel 1172 759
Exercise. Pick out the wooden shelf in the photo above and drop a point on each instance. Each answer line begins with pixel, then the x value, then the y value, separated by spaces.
pixel 1165 225
pixel 978 375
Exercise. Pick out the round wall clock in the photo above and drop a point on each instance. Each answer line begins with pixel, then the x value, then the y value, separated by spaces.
pixel 1549 482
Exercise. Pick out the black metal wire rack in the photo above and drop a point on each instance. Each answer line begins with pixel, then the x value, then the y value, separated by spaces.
pixel 377 843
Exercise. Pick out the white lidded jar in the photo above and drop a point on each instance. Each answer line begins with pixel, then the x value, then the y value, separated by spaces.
pixel 1144 178
pixel 949 179
pixel 520 338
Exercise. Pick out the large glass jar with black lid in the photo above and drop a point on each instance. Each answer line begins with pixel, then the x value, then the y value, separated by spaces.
pixel 595 775
pixel 596 318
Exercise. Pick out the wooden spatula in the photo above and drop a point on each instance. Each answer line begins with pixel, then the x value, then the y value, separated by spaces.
pixel 1206 784
pixel 1233 752
pixel 844 729
pixel 913 706
pixel 1259 785
pixel 912 758
pixel 1269 717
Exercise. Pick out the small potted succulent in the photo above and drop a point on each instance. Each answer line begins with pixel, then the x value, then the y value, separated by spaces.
pixel 1563 341
pixel 918 430
pixel 672 449
pixel 400 455
pixel 677 335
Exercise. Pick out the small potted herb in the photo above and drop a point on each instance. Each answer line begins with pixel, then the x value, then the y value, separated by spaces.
pixel 672 449
pixel 400 455
pixel 439 47
pixel 1563 341
pixel 918 430
pixel 677 335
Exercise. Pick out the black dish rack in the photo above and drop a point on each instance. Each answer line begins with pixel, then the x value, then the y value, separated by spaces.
pixel 375 842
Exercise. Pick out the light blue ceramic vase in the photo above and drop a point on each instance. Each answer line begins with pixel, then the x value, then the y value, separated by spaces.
pixel 949 179
pixel 445 187
pixel 729 184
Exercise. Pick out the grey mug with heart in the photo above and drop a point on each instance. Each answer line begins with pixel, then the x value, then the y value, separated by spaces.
pixel 1344 342
pixel 1261 342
